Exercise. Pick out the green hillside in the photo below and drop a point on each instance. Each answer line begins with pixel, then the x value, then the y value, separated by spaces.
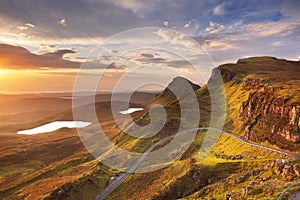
pixel 263 106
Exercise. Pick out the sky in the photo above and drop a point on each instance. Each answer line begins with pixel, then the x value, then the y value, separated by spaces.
pixel 44 44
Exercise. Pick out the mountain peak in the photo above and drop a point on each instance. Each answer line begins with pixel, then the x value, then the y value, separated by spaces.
pixel 178 84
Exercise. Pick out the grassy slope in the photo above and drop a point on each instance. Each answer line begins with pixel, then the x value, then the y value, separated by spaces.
pixel 273 73
pixel 226 170
pixel 176 180
pixel 81 177
pixel 34 166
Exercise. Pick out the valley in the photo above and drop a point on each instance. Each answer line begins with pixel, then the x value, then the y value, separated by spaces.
pixel 255 155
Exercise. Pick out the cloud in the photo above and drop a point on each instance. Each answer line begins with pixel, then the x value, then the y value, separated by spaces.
pixel 115 65
pixel 219 45
pixel 266 29
pixel 25 26
pixel 150 60
pixel 90 18
pixel 22 28
pixel 89 22
pixel 46 48
pixel 175 38
pixel 30 25
pixel 214 28
pixel 147 55
pixel 16 57
pixel 219 10
pixel 278 43
pixel 63 22
pixel 187 25
pixel 165 60
pixel 278 38
pixel 166 23
pixel 59 53
pixel 136 6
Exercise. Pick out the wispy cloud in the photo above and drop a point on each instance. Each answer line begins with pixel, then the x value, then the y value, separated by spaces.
pixel 252 39
pixel 219 26
pixel 219 9
pixel 26 26
pixel 63 22
pixel 214 28
pixel 30 25
pixel 22 28
pixel 175 38
pixel 265 29
pixel 136 6
pixel 166 23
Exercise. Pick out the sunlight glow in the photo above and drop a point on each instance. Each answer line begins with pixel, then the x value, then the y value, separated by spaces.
pixel 5 71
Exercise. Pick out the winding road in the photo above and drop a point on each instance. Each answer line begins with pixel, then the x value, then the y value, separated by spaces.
pixel 115 183
pixel 287 189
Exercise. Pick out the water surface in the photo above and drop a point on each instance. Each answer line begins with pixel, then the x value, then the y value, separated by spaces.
pixel 53 126
pixel 130 110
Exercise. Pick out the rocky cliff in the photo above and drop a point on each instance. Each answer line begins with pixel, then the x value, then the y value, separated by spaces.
pixel 267 94
pixel 269 118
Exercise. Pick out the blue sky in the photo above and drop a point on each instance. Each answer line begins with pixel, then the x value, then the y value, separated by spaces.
pixel 226 30
pixel 97 20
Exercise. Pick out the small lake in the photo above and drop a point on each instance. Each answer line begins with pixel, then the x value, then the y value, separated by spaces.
pixel 130 110
pixel 53 126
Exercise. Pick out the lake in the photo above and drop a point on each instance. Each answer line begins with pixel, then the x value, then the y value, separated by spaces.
pixel 130 110
pixel 54 126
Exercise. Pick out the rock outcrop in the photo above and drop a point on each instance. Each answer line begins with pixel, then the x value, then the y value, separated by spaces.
pixel 266 116
pixel 226 74
pixel 244 177
pixel 228 157
pixel 179 85
pixel 284 168
pixel 270 118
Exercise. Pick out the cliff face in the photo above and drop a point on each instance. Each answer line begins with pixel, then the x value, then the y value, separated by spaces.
pixel 227 75
pixel 267 93
pixel 269 118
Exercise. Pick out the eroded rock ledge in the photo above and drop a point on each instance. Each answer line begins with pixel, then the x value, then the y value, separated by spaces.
pixel 267 117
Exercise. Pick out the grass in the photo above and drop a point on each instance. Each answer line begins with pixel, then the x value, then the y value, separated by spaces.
pixel 81 177
pixel 253 158
pixel 88 186
pixel 156 182
pixel 46 173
